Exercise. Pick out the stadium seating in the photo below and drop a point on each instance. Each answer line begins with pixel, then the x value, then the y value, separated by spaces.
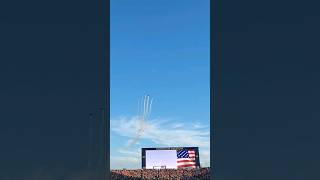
pixel 161 174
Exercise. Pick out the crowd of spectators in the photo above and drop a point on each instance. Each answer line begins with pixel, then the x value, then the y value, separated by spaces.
pixel 161 174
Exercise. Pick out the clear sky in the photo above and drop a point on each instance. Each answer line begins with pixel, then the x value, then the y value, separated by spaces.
pixel 160 48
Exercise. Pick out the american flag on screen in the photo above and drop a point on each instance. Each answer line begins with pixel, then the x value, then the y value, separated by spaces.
pixel 186 158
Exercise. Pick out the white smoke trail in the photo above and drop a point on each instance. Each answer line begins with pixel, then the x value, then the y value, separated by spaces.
pixel 148 103
pixel 144 106
pixel 150 107
pixel 140 109
pixel 139 104
pixel 142 118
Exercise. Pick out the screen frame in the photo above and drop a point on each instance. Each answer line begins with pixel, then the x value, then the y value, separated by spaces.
pixel 143 154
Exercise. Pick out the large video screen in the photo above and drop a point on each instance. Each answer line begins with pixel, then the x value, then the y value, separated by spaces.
pixel 170 158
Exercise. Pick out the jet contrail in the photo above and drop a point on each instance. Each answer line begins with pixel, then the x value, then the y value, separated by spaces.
pixel 139 102
pixel 150 107
pixel 146 105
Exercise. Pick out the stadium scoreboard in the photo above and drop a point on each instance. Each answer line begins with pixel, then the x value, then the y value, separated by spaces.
pixel 170 157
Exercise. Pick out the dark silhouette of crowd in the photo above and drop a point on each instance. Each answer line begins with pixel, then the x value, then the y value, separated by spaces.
pixel 161 174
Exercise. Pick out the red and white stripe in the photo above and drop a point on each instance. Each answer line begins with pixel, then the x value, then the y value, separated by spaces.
pixel 192 154
pixel 187 162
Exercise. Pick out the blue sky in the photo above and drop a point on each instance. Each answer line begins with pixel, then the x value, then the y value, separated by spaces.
pixel 160 48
